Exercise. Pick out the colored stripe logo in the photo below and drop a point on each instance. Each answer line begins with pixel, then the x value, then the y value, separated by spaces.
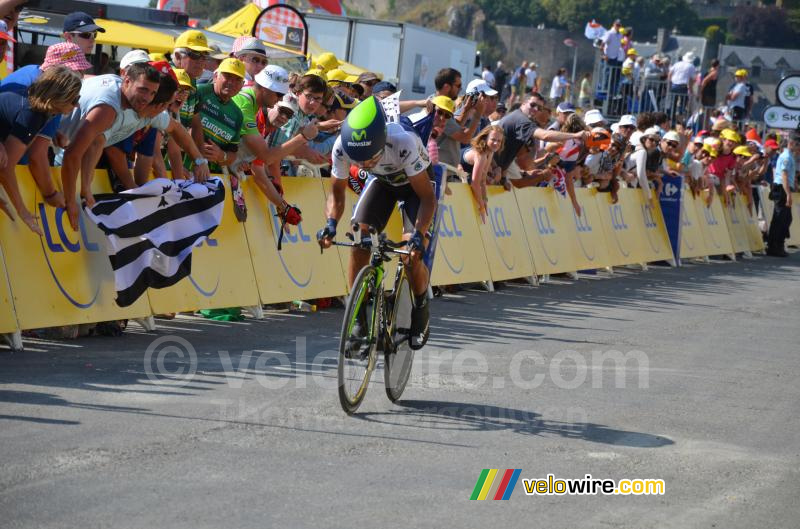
pixel 495 484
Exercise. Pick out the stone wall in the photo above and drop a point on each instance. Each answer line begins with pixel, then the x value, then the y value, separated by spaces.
pixel 546 48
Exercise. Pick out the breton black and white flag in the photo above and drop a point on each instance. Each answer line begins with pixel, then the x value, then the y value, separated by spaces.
pixel 152 229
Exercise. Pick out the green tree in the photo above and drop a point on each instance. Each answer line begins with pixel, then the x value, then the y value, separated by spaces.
pixel 646 16
pixel 761 26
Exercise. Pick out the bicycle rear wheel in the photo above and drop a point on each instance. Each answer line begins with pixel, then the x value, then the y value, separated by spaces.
pixel 357 351
pixel 398 356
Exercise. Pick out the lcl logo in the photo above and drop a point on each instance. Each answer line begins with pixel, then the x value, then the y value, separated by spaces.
pixel 617 219
pixel 292 238
pixel 64 245
pixel 451 230
pixel 649 218
pixel 498 220
pixel 542 220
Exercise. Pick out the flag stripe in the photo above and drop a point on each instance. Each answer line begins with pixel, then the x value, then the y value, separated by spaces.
pixel 141 226
pixel 130 253
pixel 504 484
pixel 487 484
pixel 152 231
pixel 495 485
pixel 479 485
pixel 512 483
pixel 150 278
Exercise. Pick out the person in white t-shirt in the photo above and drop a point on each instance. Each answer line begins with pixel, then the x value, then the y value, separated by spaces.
pixel 108 107
pixel 533 78
pixel 488 76
pixel 559 86
pixel 737 97
pixel 681 79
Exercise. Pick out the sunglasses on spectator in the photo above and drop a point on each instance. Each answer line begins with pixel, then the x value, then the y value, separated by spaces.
pixel 672 144
pixel 542 108
pixel 87 35
pixel 196 55
pixel 371 83
pixel 312 98
pixel 627 127
pixel 445 114
pixel 256 59
pixel 650 138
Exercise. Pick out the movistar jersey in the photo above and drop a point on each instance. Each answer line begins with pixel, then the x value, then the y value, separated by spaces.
pixel 403 156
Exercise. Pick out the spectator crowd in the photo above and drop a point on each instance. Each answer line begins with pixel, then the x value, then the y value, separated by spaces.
pixel 202 110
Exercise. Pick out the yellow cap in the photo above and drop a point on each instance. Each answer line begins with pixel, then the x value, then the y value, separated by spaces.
pixel 157 57
pixel 183 78
pixel 336 75
pixel 233 66
pixel 193 39
pixel 445 103
pixel 623 31
pixel 710 150
pixel 315 71
pixel 327 61
pixel 741 72
pixel 741 150
pixel 632 51
pixel 350 79
pixel 730 134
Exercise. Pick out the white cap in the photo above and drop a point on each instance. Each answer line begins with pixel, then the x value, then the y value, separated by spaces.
pixel 615 128
pixel 479 85
pixel 592 117
pixel 627 119
pixel 290 102
pixel 636 137
pixel 672 136
pixel 133 57
pixel 273 78
pixel 688 56
pixel 653 131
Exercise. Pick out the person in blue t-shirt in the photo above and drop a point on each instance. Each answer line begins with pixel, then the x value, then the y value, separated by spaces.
pixel 781 194
pixel 63 54
pixel 55 92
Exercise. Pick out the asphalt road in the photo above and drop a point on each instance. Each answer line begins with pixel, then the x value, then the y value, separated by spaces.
pixel 98 432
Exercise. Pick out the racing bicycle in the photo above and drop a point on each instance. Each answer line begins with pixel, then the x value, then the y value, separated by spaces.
pixel 375 319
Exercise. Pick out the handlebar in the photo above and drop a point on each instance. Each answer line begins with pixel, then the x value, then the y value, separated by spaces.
pixel 383 245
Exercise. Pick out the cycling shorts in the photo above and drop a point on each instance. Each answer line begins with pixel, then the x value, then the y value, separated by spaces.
pixel 377 201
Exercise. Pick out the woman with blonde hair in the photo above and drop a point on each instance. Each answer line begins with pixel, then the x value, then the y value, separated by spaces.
pixel 476 161
pixel 56 91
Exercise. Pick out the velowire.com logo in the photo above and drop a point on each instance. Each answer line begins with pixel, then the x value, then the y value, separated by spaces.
pixel 496 484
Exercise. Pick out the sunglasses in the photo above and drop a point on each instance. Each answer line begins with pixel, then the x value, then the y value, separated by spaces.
pixel 87 35
pixel 540 108
pixel 627 127
pixel 256 59
pixel 649 138
pixel 196 55
pixel 445 114
pixel 313 99
pixel 672 144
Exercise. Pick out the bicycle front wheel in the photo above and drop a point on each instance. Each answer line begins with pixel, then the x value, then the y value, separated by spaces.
pixel 357 345
pixel 398 356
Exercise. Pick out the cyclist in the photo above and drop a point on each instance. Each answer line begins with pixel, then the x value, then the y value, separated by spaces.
pixel 398 162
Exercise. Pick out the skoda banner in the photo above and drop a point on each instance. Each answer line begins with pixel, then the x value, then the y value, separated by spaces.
pixel 671 202
pixel 781 117
pixel 282 25
pixel 787 92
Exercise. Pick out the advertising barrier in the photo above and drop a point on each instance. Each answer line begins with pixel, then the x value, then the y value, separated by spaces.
pixel 735 214
pixel 692 242
pixel 549 229
pixel 713 225
pixel 460 257
pixel 504 239
pixel 299 270
pixel 623 228
pixel 63 277
pixel 8 320
pixel 593 250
